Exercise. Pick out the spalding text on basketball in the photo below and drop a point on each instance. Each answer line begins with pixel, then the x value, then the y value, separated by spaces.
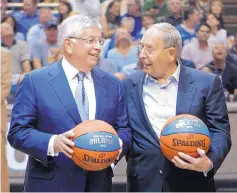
pixel 197 143
pixel 90 159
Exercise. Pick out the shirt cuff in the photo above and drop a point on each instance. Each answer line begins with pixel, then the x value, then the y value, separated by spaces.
pixel 50 151
pixel 205 173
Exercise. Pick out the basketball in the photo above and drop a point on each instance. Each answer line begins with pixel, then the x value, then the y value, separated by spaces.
pixel 96 145
pixel 184 133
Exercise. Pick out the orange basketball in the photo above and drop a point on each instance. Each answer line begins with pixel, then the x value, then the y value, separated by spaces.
pixel 96 145
pixel 184 133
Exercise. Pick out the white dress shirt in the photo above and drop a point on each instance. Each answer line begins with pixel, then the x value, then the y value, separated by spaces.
pixel 160 100
pixel 71 75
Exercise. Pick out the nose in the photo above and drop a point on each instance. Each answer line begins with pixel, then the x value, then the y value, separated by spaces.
pixel 142 54
pixel 97 45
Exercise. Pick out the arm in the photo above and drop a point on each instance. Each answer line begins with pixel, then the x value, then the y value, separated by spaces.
pixel 26 69
pixel 36 63
pixel 6 74
pixel 107 33
pixel 218 123
pixel 121 123
pixel 23 134
pixel 32 34
pixel 36 57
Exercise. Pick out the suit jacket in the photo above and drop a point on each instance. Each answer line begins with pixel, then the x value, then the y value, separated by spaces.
pixel 44 105
pixel 6 80
pixel 199 94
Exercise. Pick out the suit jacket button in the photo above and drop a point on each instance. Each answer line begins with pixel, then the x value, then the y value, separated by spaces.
pixel 161 172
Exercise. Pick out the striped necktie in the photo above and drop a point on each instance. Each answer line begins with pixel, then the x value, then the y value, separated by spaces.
pixel 81 98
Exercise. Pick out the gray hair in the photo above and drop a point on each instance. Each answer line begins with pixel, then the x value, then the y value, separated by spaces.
pixel 170 35
pixel 74 25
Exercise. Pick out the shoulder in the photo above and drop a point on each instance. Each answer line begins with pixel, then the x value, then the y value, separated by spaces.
pixel 4 51
pixel 18 15
pixel 201 77
pixel 44 71
pixel 22 43
pixel 112 52
pixel 110 78
pixel 132 79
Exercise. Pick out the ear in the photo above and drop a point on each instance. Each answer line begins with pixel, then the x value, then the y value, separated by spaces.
pixel 68 44
pixel 172 54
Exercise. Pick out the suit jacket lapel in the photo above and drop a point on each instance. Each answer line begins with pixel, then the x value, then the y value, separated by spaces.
pixel 59 83
pixel 137 97
pixel 101 92
pixel 186 91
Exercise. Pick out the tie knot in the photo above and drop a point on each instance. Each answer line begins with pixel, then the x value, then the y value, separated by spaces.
pixel 80 76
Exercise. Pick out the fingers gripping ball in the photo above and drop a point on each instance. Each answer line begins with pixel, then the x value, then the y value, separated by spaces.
pixel 96 145
pixel 184 133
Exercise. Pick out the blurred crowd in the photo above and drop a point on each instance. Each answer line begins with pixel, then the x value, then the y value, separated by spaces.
pixel 31 34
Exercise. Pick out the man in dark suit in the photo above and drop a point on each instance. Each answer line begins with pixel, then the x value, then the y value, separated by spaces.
pixel 165 89
pixel 49 104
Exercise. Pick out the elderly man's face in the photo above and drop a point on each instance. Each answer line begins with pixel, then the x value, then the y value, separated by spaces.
pixel 154 57
pixel 84 51
pixel 219 51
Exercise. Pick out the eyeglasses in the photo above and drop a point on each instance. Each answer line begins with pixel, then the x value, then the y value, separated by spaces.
pixel 147 49
pixel 91 40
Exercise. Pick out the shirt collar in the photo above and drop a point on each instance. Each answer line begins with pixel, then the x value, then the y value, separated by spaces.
pixel 4 45
pixel 71 71
pixel 174 76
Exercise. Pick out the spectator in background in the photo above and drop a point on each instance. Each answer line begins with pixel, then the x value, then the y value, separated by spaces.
pixel 29 17
pixel 11 20
pixel 217 9
pixel 111 20
pixel 43 52
pixel 65 10
pixel 3 8
pixel 175 13
pixel 20 52
pixel 199 51
pixel 157 7
pixel 89 8
pixel 217 33
pixel 6 79
pixel 188 28
pixel 126 23
pixel 124 52
pixel 203 7
pixel 134 11
pixel 147 21
pixel 232 53
pixel 226 70
pixel 37 32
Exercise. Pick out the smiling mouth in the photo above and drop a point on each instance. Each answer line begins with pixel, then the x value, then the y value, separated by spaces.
pixel 96 56
pixel 146 65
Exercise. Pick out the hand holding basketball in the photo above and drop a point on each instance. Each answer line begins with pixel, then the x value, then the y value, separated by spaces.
pixel 200 164
pixel 63 143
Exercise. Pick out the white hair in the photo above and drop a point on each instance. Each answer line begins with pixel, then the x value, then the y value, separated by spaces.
pixel 170 36
pixel 74 25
